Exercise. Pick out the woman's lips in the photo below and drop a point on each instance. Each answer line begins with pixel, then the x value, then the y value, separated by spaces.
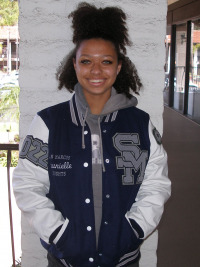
pixel 96 81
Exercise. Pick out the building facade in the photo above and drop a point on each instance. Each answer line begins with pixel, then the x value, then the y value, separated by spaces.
pixel 9 48
pixel 182 66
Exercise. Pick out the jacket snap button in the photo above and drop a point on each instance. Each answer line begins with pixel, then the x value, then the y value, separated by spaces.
pixel 89 228
pixel 91 259
pixel 85 132
pixel 107 160
pixel 85 164
pixel 108 196
pixel 87 200
pixel 106 222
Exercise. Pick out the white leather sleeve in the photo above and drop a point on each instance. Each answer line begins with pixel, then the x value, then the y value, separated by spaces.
pixel 30 186
pixel 154 191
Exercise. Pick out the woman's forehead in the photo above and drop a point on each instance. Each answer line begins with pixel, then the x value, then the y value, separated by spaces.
pixel 96 46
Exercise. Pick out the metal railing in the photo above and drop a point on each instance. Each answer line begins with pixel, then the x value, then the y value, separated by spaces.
pixel 9 148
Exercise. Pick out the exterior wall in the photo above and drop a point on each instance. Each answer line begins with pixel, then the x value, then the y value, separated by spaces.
pixel 45 38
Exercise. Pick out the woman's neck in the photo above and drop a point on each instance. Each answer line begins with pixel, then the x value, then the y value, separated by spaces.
pixel 96 102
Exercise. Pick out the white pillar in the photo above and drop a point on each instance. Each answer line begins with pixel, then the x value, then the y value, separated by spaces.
pixel 45 38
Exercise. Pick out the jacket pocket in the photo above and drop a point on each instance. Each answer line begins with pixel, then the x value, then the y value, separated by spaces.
pixel 68 242
pixel 62 232
pixel 52 248
pixel 129 239
pixel 134 230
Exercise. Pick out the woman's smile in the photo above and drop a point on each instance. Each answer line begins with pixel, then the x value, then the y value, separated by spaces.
pixel 98 82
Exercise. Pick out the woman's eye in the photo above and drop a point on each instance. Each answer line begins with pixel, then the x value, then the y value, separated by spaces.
pixel 107 62
pixel 85 61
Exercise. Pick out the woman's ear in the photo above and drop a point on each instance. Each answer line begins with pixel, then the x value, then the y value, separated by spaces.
pixel 74 63
pixel 119 67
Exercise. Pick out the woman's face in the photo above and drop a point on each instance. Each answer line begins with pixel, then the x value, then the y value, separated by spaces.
pixel 96 65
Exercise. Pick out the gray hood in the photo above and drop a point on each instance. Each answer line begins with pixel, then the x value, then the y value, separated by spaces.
pixel 114 103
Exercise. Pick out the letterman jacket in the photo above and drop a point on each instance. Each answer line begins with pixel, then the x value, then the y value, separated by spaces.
pixel 53 187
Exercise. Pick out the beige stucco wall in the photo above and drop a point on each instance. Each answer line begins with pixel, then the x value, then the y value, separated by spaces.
pixel 45 38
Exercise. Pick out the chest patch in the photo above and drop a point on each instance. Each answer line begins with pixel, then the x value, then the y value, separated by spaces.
pixel 132 158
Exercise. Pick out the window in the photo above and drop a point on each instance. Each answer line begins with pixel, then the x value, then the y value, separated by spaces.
pixel 167 67
pixel 180 60
pixel 182 69
pixel 194 74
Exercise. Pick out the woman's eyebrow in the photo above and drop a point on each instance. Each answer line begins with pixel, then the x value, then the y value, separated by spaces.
pixel 88 55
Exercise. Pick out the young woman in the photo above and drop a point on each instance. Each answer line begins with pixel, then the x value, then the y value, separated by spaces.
pixel 92 174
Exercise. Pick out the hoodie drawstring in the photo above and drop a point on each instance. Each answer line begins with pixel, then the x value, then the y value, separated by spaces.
pixel 83 128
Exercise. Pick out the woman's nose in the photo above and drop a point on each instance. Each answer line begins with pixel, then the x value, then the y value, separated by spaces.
pixel 96 68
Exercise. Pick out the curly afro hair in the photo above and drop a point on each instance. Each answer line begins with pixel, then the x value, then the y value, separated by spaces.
pixel 108 23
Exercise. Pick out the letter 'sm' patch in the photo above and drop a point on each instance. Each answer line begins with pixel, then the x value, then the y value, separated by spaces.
pixel 132 158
